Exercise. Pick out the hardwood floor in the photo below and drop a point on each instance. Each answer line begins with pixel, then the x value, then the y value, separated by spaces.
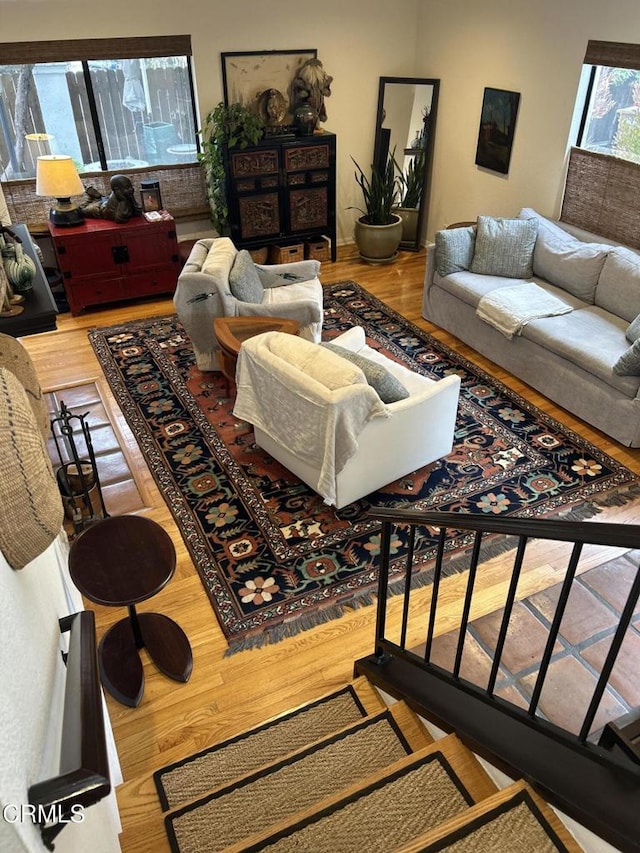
pixel 226 695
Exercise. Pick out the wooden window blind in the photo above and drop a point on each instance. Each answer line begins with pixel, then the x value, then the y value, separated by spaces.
pixel 27 52
pixel 613 54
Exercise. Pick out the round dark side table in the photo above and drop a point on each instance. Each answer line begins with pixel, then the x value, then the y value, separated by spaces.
pixel 120 561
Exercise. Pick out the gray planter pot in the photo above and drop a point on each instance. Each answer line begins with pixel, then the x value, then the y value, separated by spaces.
pixel 378 243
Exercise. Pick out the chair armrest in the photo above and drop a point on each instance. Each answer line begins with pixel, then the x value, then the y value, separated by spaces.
pixel 305 311
pixel 446 391
pixel 304 269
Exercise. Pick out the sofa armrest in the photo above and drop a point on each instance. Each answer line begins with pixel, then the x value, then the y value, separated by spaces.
pixel 431 264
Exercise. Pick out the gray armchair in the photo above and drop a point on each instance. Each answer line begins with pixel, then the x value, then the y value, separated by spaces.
pixel 204 292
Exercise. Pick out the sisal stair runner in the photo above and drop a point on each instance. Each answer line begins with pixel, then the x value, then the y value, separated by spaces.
pixel 347 773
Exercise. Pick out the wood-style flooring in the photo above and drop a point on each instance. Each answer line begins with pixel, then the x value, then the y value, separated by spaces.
pixel 226 695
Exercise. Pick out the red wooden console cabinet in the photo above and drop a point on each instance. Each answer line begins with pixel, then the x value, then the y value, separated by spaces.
pixel 102 261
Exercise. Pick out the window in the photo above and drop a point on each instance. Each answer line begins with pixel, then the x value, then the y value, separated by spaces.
pixel 112 104
pixel 603 171
pixel 611 122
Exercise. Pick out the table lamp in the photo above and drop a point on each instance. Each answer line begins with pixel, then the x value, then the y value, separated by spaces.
pixel 56 175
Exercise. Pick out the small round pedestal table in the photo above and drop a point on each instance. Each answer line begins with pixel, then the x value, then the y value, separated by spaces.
pixel 120 561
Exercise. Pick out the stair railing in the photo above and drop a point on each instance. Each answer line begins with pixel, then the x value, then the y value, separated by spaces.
pixel 596 783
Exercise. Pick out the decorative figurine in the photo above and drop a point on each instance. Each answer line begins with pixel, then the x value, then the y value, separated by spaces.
pixel 120 205
pixel 312 85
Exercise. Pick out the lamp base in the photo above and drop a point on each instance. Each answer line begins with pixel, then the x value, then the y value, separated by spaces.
pixel 66 215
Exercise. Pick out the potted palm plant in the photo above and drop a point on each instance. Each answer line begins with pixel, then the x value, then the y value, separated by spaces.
pixel 411 182
pixel 379 230
pixel 226 126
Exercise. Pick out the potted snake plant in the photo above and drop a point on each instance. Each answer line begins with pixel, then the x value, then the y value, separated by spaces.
pixel 411 182
pixel 378 231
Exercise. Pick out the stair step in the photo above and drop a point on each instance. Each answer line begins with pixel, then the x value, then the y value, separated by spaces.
pixel 224 762
pixel 297 782
pixel 515 820
pixel 389 808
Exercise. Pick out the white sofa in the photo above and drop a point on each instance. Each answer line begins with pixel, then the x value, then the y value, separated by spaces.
pixel 315 413
pixel 205 291
pixel 569 357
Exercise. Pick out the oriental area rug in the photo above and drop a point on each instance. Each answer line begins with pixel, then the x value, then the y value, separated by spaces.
pixel 272 557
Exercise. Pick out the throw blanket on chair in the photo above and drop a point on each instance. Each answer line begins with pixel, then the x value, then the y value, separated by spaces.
pixel 307 399
pixel 509 309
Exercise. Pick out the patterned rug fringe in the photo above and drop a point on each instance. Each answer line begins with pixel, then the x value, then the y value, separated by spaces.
pixel 457 563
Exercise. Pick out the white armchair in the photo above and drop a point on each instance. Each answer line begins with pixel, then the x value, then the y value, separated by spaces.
pixel 315 413
pixel 204 292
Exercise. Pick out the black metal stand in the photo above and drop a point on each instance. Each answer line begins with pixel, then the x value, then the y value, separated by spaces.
pixel 77 473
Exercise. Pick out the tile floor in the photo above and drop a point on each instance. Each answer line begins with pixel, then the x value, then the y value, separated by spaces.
pixel 593 610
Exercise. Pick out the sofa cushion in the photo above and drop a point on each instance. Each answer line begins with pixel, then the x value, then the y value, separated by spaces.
pixel 633 330
pixel 629 362
pixel 385 384
pixel 244 281
pixel 454 249
pixel 591 339
pixel 618 289
pixel 564 260
pixel 504 247
pixel 219 260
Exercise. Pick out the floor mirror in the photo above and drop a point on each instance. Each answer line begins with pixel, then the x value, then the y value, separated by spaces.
pixel 405 127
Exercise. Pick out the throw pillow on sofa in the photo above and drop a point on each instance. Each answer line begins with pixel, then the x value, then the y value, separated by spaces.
pixel 387 386
pixel 244 281
pixel 633 331
pixel 504 247
pixel 629 362
pixel 454 249
pixel 565 261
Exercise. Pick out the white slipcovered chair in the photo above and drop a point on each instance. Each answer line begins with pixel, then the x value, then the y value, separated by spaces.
pixel 215 269
pixel 316 413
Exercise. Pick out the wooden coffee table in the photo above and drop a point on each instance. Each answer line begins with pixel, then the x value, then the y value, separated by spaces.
pixel 231 332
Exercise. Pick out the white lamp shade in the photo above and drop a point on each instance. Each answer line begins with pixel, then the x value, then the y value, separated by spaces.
pixel 57 176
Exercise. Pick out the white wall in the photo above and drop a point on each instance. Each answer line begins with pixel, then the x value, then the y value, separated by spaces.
pixel 532 48
pixel 358 42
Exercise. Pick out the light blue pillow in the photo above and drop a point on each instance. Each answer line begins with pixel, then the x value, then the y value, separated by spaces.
pixel 633 330
pixel 244 281
pixel 504 247
pixel 629 362
pixel 385 384
pixel 454 249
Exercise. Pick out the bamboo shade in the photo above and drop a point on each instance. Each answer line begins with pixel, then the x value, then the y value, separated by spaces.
pixel 182 187
pixel 613 54
pixel 601 195
pixel 27 52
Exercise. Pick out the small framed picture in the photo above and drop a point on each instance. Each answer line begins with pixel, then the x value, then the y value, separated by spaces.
pixel 151 200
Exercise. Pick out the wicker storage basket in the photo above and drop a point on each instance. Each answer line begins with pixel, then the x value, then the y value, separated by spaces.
pixel 318 250
pixel 259 256
pixel 286 254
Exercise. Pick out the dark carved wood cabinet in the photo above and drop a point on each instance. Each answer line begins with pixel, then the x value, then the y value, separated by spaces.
pixel 102 261
pixel 283 190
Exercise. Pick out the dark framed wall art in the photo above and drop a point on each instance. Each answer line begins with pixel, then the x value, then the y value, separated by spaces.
pixel 246 75
pixel 497 127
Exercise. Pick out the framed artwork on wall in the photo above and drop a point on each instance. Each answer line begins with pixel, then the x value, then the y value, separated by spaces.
pixel 245 76
pixel 497 126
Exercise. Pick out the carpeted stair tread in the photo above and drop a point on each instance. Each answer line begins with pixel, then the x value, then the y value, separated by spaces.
pixel 296 783
pixel 515 820
pixel 224 762
pixel 401 802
